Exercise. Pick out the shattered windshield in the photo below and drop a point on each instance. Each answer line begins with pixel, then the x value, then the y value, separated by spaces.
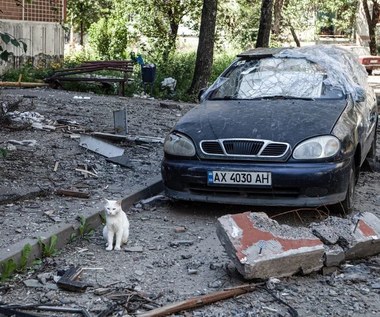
pixel 273 77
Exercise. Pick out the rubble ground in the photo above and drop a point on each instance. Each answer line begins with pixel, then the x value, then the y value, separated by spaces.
pixel 173 252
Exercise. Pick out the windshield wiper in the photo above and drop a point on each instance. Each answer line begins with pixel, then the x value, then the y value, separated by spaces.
pixel 224 98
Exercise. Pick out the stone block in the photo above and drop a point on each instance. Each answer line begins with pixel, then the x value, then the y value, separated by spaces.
pixel 365 236
pixel 334 255
pixel 261 248
pixel 358 236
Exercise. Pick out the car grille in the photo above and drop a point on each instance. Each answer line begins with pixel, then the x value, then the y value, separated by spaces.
pixel 244 192
pixel 244 148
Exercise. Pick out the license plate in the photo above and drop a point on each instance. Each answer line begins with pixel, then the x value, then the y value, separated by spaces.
pixel 373 61
pixel 240 178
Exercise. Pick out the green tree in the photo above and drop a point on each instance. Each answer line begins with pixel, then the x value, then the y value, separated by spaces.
pixel 238 23
pixel 111 35
pixel 158 21
pixel 83 13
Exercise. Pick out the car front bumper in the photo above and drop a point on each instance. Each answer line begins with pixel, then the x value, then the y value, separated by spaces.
pixel 293 184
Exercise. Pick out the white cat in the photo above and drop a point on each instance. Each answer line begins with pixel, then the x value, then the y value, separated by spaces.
pixel 117 225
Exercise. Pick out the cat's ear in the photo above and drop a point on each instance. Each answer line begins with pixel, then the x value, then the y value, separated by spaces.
pixel 106 200
pixel 118 202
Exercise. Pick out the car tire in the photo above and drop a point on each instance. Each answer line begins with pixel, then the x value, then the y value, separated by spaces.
pixel 346 206
pixel 369 71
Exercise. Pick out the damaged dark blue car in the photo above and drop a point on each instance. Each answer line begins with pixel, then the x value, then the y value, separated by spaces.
pixel 279 127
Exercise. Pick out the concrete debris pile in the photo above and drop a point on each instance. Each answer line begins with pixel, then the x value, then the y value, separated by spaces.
pixel 262 248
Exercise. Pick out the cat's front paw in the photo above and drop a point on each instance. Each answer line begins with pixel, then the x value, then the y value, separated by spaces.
pixel 117 248
pixel 109 248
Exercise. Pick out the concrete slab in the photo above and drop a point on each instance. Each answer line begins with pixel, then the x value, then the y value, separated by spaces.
pixel 261 248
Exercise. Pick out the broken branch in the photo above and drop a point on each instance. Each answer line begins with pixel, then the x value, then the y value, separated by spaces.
pixel 72 193
pixel 199 301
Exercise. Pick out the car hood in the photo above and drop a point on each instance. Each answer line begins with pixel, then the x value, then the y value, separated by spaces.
pixel 279 120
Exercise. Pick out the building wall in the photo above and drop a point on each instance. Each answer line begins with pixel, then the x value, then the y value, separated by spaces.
pixel 38 24
pixel 37 10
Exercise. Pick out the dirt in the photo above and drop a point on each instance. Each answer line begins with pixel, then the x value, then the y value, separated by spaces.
pixel 173 252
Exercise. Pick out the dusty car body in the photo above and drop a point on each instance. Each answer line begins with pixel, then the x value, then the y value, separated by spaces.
pixel 280 127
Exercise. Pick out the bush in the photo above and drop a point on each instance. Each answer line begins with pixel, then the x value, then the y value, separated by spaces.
pixel 29 74
pixel 180 66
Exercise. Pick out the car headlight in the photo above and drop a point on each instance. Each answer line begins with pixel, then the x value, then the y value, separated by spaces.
pixel 179 145
pixel 317 148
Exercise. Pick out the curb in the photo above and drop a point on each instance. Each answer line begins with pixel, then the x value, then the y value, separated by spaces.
pixel 65 231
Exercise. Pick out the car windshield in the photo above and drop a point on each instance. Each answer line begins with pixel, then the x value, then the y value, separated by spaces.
pixel 273 78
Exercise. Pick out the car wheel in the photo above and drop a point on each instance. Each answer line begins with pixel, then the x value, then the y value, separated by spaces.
pixel 369 71
pixel 346 206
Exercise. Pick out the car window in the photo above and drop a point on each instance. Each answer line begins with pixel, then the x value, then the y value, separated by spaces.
pixel 273 77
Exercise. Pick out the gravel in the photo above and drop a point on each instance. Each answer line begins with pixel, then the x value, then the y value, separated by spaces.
pixel 173 253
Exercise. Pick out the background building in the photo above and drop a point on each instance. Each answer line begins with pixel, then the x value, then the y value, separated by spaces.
pixel 39 25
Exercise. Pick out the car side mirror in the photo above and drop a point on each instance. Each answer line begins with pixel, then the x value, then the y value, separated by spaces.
pixel 201 92
pixel 360 94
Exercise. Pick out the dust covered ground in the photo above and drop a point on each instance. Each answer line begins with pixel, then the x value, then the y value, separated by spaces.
pixel 173 252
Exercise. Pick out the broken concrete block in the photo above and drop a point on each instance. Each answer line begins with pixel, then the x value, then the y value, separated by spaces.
pixel 334 255
pixel 261 248
pixel 358 236
pixel 366 236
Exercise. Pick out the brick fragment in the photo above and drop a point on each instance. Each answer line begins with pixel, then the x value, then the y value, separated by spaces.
pixel 261 248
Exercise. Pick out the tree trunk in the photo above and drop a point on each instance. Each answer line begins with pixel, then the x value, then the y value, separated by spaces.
pixel 277 17
pixel 265 24
pixel 172 38
pixel 372 20
pixel 205 52
pixel 294 34
pixel 81 32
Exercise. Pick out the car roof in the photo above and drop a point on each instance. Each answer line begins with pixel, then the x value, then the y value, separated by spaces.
pixel 262 52
pixel 342 68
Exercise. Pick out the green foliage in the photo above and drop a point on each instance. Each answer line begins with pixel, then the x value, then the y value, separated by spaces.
pixel 6 38
pixel 25 254
pixel 84 229
pixel 83 13
pixel 338 14
pixel 221 62
pixel 180 66
pixel 77 58
pixel 3 153
pixel 29 73
pixel 48 249
pixel 100 39
pixel 237 24
pixel 8 268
